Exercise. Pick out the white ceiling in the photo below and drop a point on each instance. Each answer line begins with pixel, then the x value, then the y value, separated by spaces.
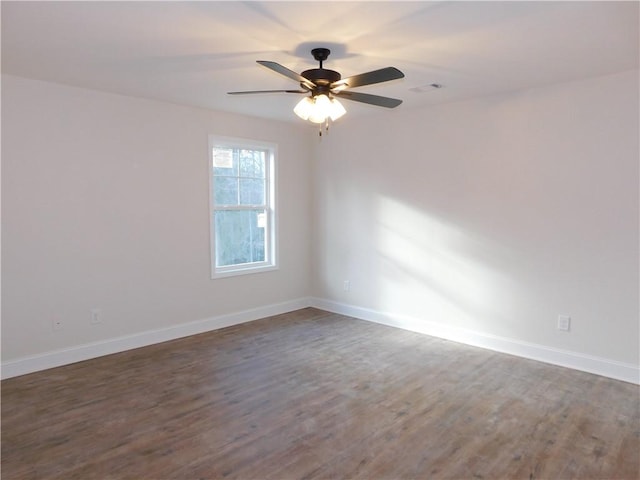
pixel 194 52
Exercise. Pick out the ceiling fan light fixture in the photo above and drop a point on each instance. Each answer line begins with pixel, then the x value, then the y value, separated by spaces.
pixel 318 108
pixel 324 85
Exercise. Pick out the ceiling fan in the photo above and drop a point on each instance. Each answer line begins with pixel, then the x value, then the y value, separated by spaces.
pixel 326 86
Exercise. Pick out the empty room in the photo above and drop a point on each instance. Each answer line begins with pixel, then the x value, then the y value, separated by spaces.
pixel 308 240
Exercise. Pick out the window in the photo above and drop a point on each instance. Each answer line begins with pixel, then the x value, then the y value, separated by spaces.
pixel 242 175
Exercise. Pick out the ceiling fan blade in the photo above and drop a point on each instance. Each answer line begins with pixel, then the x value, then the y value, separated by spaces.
pixel 377 100
pixel 247 92
pixel 276 67
pixel 369 78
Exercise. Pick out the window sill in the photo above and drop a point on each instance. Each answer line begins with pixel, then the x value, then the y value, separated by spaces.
pixel 243 271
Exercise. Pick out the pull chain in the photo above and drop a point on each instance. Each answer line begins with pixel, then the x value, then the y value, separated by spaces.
pixel 326 127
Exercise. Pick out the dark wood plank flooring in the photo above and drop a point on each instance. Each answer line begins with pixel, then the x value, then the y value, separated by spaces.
pixel 311 394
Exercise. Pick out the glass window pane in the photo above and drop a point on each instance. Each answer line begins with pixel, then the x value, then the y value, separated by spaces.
pixel 225 190
pixel 239 237
pixel 252 163
pixel 251 191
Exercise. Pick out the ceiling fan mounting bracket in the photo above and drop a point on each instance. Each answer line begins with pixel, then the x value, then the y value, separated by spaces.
pixel 320 54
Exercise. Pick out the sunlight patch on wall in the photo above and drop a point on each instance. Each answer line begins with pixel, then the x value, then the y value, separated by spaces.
pixel 435 270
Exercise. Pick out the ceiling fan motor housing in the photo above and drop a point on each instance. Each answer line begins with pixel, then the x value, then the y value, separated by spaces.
pixel 321 76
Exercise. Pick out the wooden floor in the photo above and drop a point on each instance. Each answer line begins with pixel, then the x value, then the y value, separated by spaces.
pixel 316 395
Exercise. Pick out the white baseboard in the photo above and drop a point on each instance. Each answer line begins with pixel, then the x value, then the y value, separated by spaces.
pixel 577 361
pixel 34 363
pixel 564 358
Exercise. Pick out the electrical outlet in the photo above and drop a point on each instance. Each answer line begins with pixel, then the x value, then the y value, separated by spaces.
pixel 96 316
pixel 56 324
pixel 564 323
pixel 346 285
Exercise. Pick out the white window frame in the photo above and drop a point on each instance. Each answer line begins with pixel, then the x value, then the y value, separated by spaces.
pixel 271 237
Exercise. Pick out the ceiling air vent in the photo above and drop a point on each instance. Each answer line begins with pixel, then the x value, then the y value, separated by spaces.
pixel 426 88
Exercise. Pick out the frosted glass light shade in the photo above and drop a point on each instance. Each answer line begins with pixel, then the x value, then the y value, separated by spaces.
pixel 317 109
pixel 304 108
pixel 336 110
pixel 320 111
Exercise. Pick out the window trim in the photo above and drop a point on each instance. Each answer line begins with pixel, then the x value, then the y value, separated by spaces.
pixel 271 236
